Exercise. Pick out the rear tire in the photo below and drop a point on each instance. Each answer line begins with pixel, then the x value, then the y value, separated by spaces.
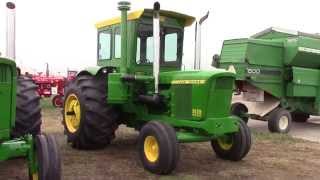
pixel 233 146
pixel 240 110
pixel 98 121
pixel 300 117
pixel 158 147
pixel 28 111
pixel 279 120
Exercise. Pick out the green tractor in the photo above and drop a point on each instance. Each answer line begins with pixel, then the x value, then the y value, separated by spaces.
pixel 20 117
pixel 138 82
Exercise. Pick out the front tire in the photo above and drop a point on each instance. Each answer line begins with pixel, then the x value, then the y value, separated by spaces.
pixel 240 110
pixel 158 147
pixel 28 111
pixel 233 146
pixel 48 159
pixel 57 101
pixel 279 121
pixel 89 122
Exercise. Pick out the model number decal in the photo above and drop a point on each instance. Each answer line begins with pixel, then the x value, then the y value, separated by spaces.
pixel 197 113
pixel 253 71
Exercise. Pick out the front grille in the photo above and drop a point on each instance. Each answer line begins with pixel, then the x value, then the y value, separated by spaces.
pixel 183 97
pixel 4 73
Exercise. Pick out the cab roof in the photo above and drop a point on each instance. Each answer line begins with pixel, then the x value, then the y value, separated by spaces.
pixel 188 20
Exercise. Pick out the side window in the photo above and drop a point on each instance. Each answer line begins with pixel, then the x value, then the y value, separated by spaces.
pixel 171 47
pixel 104 51
pixel 138 50
pixel 117 43
pixel 150 49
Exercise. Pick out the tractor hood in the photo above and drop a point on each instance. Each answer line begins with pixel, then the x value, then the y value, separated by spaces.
pixel 192 77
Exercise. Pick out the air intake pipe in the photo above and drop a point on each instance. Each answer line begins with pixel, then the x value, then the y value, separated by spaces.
pixel 123 6
pixel 156 45
pixel 11 31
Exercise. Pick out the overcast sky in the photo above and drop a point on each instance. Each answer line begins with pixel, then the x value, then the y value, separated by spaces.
pixel 62 32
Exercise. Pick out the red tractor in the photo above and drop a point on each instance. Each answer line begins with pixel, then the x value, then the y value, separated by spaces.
pixel 58 89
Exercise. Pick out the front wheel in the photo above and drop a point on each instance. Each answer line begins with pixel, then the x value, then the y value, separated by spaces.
pixel 57 101
pixel 47 159
pixel 279 120
pixel 233 146
pixel 240 110
pixel 158 147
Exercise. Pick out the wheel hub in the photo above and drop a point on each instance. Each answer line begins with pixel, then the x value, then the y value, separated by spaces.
pixel 72 113
pixel 225 142
pixel 151 148
pixel 283 122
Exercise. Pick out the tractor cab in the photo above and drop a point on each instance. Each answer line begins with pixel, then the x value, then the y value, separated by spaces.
pixel 140 47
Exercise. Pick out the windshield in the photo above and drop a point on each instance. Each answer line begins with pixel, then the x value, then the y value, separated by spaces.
pixel 170 45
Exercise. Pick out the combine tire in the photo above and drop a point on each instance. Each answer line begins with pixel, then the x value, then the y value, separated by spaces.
pixel 158 147
pixel 233 146
pixel 57 101
pixel 28 111
pixel 279 120
pixel 48 159
pixel 90 123
pixel 240 110
pixel 300 116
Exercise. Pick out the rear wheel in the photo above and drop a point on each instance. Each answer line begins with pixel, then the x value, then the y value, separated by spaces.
pixel 89 122
pixel 28 111
pixel 300 116
pixel 233 146
pixel 240 110
pixel 158 147
pixel 279 120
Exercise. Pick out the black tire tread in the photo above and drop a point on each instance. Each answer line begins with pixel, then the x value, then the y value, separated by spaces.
pixel 28 111
pixel 99 121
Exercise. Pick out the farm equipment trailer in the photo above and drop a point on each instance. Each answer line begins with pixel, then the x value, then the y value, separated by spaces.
pixel 20 117
pixel 138 82
pixel 277 76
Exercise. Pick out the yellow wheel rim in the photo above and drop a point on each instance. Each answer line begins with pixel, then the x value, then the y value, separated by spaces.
pixel 151 148
pixel 225 142
pixel 35 176
pixel 72 113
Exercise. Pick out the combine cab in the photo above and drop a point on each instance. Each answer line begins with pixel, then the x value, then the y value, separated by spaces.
pixel 277 76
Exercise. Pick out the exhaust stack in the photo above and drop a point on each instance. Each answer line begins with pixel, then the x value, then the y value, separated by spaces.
pixel 156 45
pixel 197 58
pixel 123 6
pixel 11 31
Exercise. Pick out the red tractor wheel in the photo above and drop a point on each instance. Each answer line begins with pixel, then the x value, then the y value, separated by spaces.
pixel 57 101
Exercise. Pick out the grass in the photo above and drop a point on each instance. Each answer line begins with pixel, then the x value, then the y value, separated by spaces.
pixel 46 103
pixel 275 137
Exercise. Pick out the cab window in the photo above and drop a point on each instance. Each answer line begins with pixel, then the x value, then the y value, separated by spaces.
pixel 104 45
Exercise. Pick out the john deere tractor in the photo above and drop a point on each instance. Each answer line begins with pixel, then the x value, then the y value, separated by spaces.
pixel 138 82
pixel 20 118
